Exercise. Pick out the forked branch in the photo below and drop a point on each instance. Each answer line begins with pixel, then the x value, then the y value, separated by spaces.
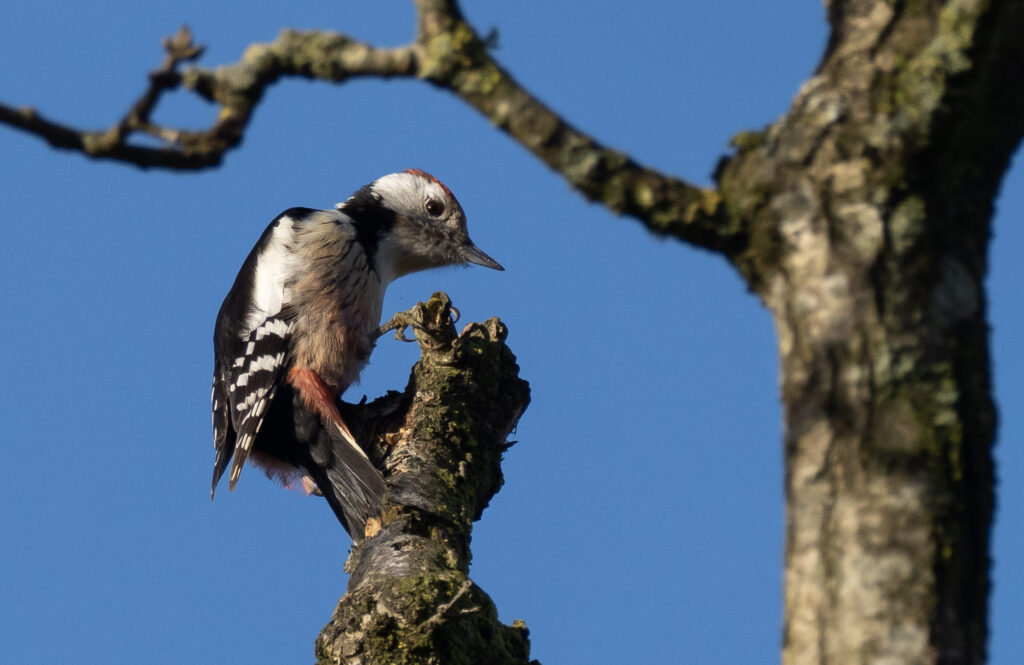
pixel 449 54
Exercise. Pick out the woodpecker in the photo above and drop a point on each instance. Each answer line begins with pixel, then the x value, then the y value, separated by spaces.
pixel 300 321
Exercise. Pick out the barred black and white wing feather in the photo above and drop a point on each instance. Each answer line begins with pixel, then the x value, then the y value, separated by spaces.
pixel 251 346
pixel 255 378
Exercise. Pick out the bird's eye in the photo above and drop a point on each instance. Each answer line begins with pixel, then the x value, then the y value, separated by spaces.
pixel 434 207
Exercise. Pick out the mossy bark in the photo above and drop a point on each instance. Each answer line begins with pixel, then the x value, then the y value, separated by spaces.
pixel 868 209
pixel 409 597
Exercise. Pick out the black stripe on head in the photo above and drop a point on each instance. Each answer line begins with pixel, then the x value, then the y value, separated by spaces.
pixel 371 219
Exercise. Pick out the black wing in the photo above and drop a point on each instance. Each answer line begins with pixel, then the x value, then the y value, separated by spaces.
pixel 223 430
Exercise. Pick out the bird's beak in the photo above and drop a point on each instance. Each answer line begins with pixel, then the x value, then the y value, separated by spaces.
pixel 473 254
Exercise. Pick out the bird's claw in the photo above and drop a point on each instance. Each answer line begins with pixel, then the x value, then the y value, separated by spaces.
pixel 404 320
pixel 433 322
pixel 399 323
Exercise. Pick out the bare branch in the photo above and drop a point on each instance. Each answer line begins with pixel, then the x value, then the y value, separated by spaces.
pixel 455 57
pixel 185 150
pixel 108 144
pixel 449 54
pixel 237 89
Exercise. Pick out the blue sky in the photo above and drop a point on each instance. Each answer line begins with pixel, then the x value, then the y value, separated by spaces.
pixel 642 515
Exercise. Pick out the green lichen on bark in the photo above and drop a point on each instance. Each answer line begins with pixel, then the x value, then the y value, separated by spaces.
pixel 409 598
pixel 866 209
pixel 427 620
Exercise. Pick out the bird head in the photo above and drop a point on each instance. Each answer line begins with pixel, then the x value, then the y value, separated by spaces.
pixel 418 222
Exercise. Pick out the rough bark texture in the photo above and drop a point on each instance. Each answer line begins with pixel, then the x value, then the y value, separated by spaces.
pixel 409 597
pixel 861 218
pixel 868 207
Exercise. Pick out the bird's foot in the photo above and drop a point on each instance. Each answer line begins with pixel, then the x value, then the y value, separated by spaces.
pixel 433 322
pixel 399 322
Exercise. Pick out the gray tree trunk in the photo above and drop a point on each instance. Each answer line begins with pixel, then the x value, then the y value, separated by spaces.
pixel 868 207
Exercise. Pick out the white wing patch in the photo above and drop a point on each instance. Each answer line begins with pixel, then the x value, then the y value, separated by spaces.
pixel 276 266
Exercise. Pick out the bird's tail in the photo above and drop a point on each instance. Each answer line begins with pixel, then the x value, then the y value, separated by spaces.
pixel 348 480
pixel 343 473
